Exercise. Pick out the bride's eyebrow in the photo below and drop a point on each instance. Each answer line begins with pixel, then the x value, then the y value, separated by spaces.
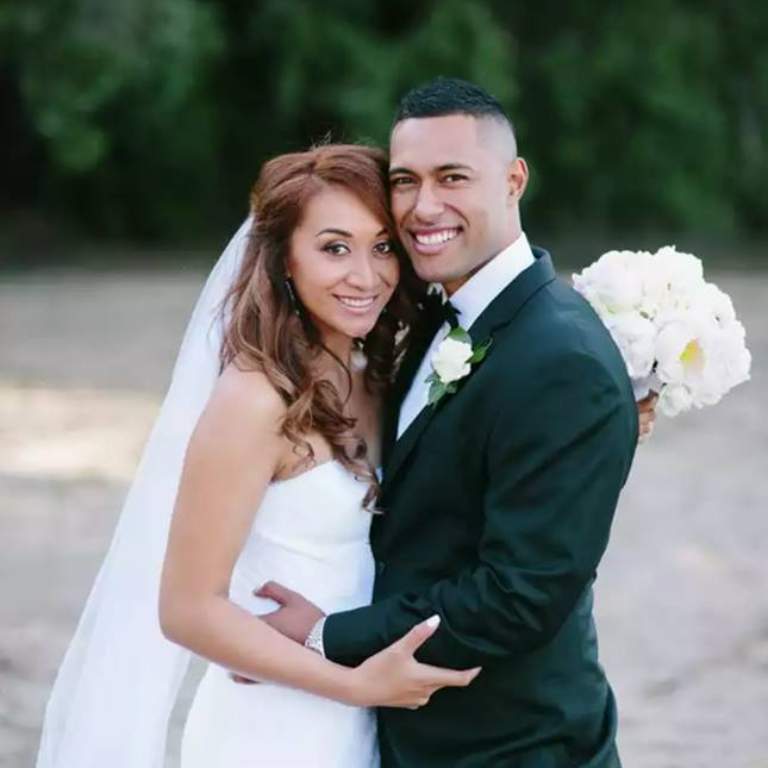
pixel 333 231
pixel 344 233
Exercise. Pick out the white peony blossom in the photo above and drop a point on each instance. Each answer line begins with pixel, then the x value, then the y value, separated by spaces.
pixel 674 399
pixel 679 349
pixel 634 335
pixel 737 359
pixel 610 284
pixel 677 333
pixel 683 271
pixel 451 360
pixel 718 303
pixel 655 296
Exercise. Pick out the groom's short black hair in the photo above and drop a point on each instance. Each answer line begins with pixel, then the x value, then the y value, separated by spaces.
pixel 449 96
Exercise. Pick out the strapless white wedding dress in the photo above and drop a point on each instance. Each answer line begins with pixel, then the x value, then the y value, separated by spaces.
pixel 310 534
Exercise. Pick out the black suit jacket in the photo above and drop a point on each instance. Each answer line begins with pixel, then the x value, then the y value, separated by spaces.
pixel 497 505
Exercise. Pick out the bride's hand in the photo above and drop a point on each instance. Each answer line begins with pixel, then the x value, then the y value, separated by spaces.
pixel 646 414
pixel 393 677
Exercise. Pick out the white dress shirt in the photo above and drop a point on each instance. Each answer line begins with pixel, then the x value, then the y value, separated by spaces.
pixel 470 300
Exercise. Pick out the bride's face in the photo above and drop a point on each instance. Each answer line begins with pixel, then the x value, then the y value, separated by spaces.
pixel 342 264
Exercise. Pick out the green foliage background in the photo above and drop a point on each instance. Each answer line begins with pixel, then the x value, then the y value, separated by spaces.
pixel 148 119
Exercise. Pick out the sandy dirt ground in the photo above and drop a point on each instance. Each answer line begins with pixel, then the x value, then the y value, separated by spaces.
pixel 682 594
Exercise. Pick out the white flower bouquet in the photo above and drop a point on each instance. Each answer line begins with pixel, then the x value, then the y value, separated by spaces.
pixel 677 333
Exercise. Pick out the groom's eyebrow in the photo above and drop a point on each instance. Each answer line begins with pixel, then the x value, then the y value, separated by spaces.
pixel 440 168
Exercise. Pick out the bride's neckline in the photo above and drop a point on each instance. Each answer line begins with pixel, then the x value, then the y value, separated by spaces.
pixel 315 469
pixel 311 470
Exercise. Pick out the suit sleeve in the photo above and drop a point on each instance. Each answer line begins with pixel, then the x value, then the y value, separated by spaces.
pixel 556 460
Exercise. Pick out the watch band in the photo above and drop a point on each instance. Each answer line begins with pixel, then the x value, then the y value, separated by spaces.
pixel 314 639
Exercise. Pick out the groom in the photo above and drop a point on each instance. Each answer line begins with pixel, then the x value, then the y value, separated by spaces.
pixel 498 499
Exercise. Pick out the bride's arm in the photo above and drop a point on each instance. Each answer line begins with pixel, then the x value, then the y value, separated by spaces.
pixel 235 451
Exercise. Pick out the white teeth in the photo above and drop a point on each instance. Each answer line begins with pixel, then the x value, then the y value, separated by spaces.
pixel 436 238
pixel 356 303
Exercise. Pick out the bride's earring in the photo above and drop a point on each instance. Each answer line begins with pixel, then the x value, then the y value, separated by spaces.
pixel 291 291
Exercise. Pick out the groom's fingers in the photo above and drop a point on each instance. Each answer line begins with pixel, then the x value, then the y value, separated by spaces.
pixel 275 591
pixel 242 680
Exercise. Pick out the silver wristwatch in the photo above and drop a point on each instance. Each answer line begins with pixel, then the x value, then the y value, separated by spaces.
pixel 314 639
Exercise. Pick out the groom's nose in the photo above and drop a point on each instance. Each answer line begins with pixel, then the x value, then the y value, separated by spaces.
pixel 428 206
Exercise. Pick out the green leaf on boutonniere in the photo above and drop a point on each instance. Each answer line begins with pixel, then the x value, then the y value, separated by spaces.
pixel 480 351
pixel 436 389
pixel 459 334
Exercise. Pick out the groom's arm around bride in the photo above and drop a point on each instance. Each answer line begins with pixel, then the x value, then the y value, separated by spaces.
pixel 495 517
pixel 496 513
pixel 536 454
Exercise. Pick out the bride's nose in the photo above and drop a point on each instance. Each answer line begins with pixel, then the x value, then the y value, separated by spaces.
pixel 362 274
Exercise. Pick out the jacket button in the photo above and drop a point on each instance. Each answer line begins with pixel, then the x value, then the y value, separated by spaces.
pixel 380 566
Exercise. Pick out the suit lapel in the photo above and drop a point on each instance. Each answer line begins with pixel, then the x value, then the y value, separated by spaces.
pixel 498 314
pixel 424 331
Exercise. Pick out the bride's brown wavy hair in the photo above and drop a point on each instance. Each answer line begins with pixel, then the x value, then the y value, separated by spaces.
pixel 265 332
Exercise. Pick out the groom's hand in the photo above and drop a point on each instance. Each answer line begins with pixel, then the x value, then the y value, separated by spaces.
pixel 296 615
pixel 646 414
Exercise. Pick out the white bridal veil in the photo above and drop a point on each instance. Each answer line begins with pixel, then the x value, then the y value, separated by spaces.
pixel 120 677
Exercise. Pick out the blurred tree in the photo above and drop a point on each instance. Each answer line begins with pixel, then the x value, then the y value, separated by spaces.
pixel 114 93
pixel 630 130
pixel 326 70
pixel 150 118
pixel 741 81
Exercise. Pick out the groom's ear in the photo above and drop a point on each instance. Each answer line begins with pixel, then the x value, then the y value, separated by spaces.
pixel 517 179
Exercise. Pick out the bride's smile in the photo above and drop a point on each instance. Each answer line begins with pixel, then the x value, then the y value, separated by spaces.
pixel 342 264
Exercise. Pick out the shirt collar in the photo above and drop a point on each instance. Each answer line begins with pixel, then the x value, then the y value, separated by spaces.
pixel 491 279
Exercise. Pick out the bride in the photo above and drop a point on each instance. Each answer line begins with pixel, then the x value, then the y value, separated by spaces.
pixel 265 449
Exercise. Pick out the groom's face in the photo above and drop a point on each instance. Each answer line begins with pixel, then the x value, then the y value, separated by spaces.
pixel 455 184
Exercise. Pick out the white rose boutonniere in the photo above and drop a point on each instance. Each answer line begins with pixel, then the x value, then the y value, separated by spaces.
pixel 452 361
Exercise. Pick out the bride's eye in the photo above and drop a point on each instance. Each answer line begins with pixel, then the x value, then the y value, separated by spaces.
pixel 336 248
pixel 384 248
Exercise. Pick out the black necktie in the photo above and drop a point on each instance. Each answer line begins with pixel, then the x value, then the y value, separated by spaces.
pixel 442 311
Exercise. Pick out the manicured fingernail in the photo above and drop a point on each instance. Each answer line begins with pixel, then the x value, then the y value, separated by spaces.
pixel 433 621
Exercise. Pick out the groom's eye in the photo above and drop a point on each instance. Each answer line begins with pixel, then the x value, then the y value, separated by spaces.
pixel 454 177
pixel 400 181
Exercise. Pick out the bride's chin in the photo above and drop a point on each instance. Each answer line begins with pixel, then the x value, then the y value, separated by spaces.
pixel 339 334
pixel 357 330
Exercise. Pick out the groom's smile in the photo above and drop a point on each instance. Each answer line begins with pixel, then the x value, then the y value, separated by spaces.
pixel 432 241
pixel 455 182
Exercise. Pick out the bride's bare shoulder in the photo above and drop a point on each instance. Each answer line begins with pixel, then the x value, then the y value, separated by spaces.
pixel 239 433
pixel 245 398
